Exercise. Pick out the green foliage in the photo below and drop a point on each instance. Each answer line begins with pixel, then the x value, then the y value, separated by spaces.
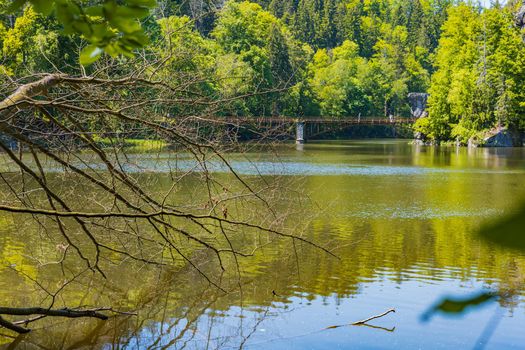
pixel 132 145
pixel 299 57
pixel 31 43
pixel 396 39
pixel 193 53
pixel 112 26
pixel 263 45
pixel 334 80
pixel 422 125
pixel 480 62
pixel 243 26
pixel 346 83
pixel 17 38
pixel 3 32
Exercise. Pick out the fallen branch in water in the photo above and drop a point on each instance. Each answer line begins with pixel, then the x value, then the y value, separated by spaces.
pixel 13 327
pixel 363 322
pixel 42 312
pixel 359 323
pixel 373 317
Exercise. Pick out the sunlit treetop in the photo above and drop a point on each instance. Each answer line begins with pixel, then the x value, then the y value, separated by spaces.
pixel 109 26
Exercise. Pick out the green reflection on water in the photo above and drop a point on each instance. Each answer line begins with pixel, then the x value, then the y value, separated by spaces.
pixel 390 211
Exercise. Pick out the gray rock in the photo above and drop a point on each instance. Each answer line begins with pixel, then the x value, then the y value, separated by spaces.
pixel 473 143
pixel 418 104
pixel 520 16
pixel 419 136
pixel 503 138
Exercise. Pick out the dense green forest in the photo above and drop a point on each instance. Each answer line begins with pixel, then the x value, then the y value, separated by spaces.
pixel 336 58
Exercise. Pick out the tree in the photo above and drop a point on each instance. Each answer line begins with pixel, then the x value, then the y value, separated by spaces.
pixel 262 42
pixel 333 79
pixel 31 44
pixel 478 63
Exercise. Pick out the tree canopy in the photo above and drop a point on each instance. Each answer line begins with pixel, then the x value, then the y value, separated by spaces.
pixel 333 58
pixel 479 66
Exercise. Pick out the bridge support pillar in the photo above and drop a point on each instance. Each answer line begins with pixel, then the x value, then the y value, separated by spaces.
pixel 300 132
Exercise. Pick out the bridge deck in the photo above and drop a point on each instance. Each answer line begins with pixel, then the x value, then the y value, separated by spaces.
pixel 318 120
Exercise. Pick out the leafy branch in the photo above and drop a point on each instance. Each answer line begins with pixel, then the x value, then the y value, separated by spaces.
pixel 109 26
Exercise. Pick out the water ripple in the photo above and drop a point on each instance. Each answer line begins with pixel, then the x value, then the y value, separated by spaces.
pixel 308 169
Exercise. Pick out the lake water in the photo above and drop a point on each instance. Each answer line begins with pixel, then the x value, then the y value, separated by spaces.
pixel 402 220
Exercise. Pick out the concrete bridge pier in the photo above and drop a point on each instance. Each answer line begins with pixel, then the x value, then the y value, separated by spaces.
pixel 300 132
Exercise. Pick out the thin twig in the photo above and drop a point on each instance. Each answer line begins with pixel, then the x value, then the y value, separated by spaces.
pixel 363 322
pixel 373 317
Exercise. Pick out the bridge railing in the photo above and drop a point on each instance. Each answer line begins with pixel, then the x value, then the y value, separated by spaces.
pixel 319 119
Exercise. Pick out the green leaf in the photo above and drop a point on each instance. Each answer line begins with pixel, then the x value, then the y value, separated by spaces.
pixel 109 9
pixel 135 40
pixel 95 11
pixel 102 32
pixel 131 12
pixel 508 232
pixel 67 14
pixel 90 54
pixel 44 7
pixel 145 3
pixel 15 5
pixel 83 28
pixel 125 25
pixel 112 49
pixel 124 50
pixel 459 305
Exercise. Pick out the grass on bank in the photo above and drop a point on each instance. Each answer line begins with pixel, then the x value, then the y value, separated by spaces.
pixel 133 145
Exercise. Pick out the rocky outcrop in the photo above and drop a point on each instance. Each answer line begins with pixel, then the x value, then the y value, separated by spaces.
pixel 520 16
pixel 418 104
pixel 500 137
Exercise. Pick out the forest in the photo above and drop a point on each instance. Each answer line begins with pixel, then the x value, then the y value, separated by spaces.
pixel 332 58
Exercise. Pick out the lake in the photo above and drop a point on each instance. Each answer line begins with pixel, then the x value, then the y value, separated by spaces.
pixel 402 220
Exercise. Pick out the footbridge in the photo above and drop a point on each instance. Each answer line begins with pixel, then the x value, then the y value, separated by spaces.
pixel 309 126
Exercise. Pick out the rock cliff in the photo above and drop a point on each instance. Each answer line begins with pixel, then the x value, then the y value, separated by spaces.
pixel 520 16
pixel 418 104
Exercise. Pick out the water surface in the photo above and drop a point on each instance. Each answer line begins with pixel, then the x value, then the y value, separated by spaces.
pixel 401 218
